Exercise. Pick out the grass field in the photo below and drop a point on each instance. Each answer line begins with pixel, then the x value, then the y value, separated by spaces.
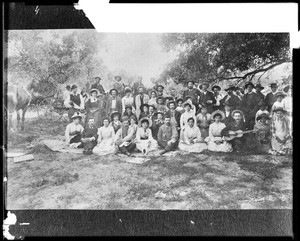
pixel 55 180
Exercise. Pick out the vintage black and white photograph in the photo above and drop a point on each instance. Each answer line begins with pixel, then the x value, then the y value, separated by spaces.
pixel 148 121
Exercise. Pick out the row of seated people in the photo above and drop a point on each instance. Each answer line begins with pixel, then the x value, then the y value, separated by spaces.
pixel 270 135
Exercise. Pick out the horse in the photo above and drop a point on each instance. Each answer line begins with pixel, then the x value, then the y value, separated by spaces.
pixel 18 98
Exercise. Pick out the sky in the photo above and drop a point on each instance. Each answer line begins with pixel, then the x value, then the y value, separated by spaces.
pixel 138 54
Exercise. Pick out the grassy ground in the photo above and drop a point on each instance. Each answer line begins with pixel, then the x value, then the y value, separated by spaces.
pixel 56 180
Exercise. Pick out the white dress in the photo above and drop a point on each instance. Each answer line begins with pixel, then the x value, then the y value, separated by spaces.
pixel 145 141
pixel 106 144
pixel 214 133
pixel 184 120
pixel 195 135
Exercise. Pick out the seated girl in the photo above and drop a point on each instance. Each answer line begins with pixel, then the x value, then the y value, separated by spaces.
pixel 144 140
pixel 204 119
pixel 215 142
pixel 115 121
pixel 262 130
pixel 281 133
pixel 191 139
pixel 74 130
pixel 105 143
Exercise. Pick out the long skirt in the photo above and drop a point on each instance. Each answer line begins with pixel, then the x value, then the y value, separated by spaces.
pixel 105 147
pixel 195 148
pixel 143 145
pixel 285 148
pixel 223 147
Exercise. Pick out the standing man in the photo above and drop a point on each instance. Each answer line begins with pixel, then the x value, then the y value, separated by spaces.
pixel 174 114
pixel 207 98
pixel 97 85
pixel 270 97
pixel 140 100
pixel 74 102
pixel 119 86
pixel 191 91
pixel 160 91
pixel 167 136
pixel 173 94
pixel 114 103
pixel 137 84
pixel 250 104
pixel 231 98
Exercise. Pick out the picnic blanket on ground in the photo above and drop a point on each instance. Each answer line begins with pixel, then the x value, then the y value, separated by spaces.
pixel 61 146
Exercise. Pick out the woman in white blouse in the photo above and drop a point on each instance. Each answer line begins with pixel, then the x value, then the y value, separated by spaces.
pixel 144 140
pixel 191 139
pixel 106 144
pixel 215 142
pixel 128 100
pixel 152 100
pixel 74 130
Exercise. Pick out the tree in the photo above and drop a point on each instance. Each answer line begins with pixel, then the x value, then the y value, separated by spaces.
pixel 48 62
pixel 224 56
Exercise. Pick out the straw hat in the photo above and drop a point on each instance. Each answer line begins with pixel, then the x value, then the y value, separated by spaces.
pixel 216 87
pixel 145 119
pixel 237 111
pixel 95 90
pixel 115 113
pixel 262 115
pixel 218 112
pixel 280 93
pixel 76 115
pixel 112 90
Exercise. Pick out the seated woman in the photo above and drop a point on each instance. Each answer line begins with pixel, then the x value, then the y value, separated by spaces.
pixel 215 142
pixel 281 130
pixel 106 142
pixel 185 116
pixel 89 137
pixel 144 140
pixel 144 111
pixel 133 125
pixel 115 121
pixel 191 139
pixel 74 130
pixel 262 130
pixel 128 111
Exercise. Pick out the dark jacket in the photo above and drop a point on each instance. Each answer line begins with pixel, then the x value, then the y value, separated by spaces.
pixel 205 98
pixel 177 116
pixel 98 87
pixel 233 100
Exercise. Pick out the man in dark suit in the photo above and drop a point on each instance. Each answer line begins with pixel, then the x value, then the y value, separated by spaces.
pixel 191 91
pixel 207 98
pixel 97 85
pixel 174 114
pixel 234 101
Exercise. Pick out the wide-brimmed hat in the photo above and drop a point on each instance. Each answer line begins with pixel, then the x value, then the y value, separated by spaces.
pixel 216 87
pixel 171 101
pixel 127 89
pixel 145 119
pixel 187 103
pixel 151 91
pixel 262 115
pixel 259 86
pixel 118 76
pixel 128 106
pixel 249 83
pixel 218 112
pixel 179 99
pixel 188 97
pixel 201 85
pixel 159 112
pixel 160 97
pixel 230 87
pixel 76 115
pixel 97 77
pixel 192 81
pixel 280 93
pixel 112 90
pixel 95 90
pixel 273 85
pixel 115 113
pixel 142 106
pixel 279 109
pixel 237 111
pixel 152 106
pixel 156 87
pixel 74 87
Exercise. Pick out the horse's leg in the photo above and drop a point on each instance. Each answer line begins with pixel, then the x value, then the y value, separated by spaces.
pixel 18 118
pixel 23 117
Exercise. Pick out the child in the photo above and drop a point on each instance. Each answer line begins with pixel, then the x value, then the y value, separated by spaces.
pixel 262 130
pixel 180 107
pixel 281 132
pixel 203 120
pixel 116 123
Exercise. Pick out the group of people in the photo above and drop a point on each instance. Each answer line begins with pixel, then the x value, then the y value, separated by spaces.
pixel 128 119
